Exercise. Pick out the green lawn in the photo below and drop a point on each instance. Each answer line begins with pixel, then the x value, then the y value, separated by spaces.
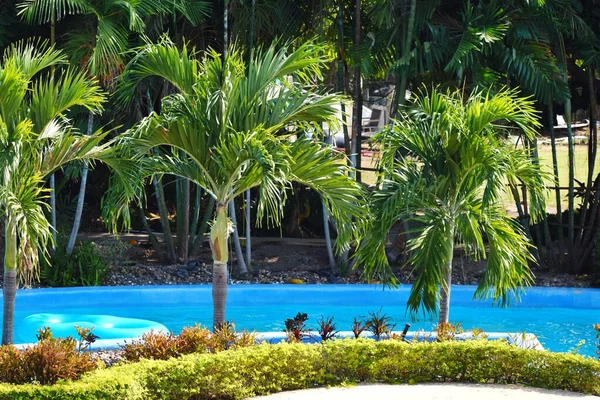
pixel 545 154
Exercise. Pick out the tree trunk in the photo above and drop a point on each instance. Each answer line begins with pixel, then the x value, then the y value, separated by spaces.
pixel 203 225
pixel 164 219
pixel 332 264
pixel 185 221
pixel 219 233
pixel 555 173
pixel 195 216
pixel 53 208
pixel 402 79
pixel 571 212
pixel 9 288
pixel 248 229
pixel 340 77
pixel 446 284
pixel 445 294
pixel 242 269
pixel 81 198
pixel 151 237
pixel 358 100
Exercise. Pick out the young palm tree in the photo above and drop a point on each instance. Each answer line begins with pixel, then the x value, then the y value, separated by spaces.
pixel 231 128
pixel 36 138
pixel 448 164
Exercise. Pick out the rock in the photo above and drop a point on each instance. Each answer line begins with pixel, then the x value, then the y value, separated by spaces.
pixel 193 266
pixel 295 281
pixel 182 273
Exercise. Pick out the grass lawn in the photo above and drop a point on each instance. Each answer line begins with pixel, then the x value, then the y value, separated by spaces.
pixel 545 154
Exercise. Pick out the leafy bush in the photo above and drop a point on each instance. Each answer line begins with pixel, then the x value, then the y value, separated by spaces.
pixel 597 329
pixel 46 362
pixel 295 328
pixel 263 369
pixel 161 346
pixel 85 267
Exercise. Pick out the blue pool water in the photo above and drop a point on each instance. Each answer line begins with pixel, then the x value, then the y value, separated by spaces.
pixel 560 317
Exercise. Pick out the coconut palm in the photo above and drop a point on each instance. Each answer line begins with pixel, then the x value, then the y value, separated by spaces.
pixel 447 165
pixel 230 128
pixel 36 138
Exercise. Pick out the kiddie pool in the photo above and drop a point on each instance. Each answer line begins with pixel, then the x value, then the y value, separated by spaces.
pixel 560 317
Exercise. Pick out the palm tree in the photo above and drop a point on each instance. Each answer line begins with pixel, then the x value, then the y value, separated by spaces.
pixel 447 165
pixel 36 138
pixel 230 128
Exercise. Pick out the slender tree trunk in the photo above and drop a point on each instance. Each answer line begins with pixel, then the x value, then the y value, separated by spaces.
pixel 164 219
pixel 248 229
pixel 446 285
pixel 219 234
pixel 195 216
pixel 185 221
pixel 555 173
pixel 9 287
pixel 242 269
pixel 203 225
pixel 332 264
pixel 358 100
pixel 591 160
pixel 340 76
pixel 81 198
pixel 151 237
pixel 571 213
pixel 52 178
pixel 406 45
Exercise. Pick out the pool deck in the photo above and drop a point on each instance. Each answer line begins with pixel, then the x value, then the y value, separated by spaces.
pixel 431 391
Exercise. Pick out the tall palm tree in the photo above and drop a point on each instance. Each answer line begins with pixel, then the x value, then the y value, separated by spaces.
pixel 231 127
pixel 448 165
pixel 36 138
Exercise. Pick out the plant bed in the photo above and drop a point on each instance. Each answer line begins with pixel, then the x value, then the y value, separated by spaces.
pixel 263 369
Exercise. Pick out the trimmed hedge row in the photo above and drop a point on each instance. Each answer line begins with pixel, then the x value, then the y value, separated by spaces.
pixel 265 368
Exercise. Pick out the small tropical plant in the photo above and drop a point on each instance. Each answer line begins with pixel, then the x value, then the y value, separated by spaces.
pixel 359 326
pixel 86 337
pixel 380 324
pixel 445 163
pixel 448 332
pixel 327 328
pixel 296 329
pixel 597 329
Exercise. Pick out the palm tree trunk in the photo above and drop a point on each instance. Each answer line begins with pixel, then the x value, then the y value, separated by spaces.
pixel 248 229
pixel 195 215
pixel 332 264
pixel 203 225
pixel 555 173
pixel 571 212
pixel 9 287
pixel 164 219
pixel 185 221
pixel 52 178
pixel 445 294
pixel 446 285
pixel 53 208
pixel 340 76
pixel 81 198
pixel 219 234
pixel 402 79
pixel 151 237
pixel 358 100
pixel 242 269
pixel 219 293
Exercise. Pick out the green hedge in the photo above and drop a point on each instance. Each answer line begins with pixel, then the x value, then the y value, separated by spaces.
pixel 267 368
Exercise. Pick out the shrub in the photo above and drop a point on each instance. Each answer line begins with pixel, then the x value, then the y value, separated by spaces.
pixel 46 362
pixel 196 339
pixel 263 369
pixel 597 329
pixel 359 327
pixel 85 267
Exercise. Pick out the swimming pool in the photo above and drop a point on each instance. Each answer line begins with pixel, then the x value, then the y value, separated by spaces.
pixel 560 317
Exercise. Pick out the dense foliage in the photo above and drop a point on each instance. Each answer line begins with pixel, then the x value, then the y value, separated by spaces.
pixel 263 369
